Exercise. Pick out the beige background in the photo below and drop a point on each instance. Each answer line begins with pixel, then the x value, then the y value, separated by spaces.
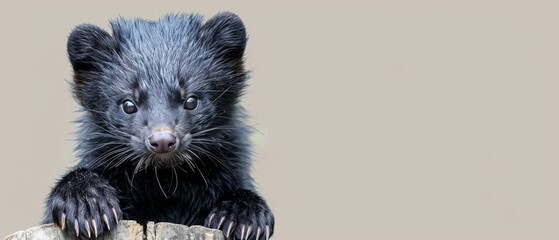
pixel 386 120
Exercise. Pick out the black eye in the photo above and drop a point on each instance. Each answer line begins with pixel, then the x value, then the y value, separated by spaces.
pixel 191 103
pixel 129 107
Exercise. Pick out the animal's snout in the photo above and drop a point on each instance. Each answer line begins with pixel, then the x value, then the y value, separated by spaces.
pixel 162 142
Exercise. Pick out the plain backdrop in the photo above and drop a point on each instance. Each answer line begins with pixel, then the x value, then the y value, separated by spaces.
pixel 379 119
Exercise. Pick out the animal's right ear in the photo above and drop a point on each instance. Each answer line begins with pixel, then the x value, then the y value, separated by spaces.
pixel 89 47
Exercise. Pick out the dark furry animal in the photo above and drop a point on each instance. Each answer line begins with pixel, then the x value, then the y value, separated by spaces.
pixel 162 137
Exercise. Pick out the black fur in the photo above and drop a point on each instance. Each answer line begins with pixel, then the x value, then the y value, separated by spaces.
pixel 158 65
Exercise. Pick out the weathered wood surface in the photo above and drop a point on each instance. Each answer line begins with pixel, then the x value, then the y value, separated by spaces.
pixel 126 230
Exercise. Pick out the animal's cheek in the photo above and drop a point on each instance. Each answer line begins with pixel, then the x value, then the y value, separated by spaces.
pixel 138 145
pixel 186 139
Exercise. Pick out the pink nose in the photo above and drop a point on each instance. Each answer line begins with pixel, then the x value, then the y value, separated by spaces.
pixel 162 142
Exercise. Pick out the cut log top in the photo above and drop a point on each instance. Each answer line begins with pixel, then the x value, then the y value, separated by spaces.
pixel 126 230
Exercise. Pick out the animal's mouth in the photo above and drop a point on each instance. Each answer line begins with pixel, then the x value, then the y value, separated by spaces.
pixel 164 160
pixel 164 156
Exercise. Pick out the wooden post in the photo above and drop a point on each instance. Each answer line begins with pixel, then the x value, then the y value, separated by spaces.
pixel 126 230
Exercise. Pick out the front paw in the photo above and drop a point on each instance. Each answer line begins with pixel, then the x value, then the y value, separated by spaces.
pixel 84 205
pixel 243 216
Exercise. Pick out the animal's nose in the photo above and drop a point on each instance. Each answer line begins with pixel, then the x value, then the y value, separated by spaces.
pixel 162 142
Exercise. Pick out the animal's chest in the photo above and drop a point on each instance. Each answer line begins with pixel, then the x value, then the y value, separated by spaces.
pixel 166 198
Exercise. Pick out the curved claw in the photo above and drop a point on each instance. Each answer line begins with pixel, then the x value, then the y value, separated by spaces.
pixel 249 230
pixel 94 227
pixel 211 219
pixel 88 229
pixel 63 221
pixel 77 228
pixel 242 232
pixel 220 222
pixel 229 229
pixel 106 219
pixel 116 216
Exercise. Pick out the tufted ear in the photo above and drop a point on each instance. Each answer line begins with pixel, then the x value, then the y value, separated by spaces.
pixel 225 33
pixel 88 47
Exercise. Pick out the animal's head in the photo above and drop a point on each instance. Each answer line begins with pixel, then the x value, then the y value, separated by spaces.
pixel 159 90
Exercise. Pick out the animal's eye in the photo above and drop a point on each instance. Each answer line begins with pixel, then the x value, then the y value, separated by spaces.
pixel 129 107
pixel 191 103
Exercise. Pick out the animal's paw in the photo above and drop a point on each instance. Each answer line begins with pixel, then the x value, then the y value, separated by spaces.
pixel 243 216
pixel 84 205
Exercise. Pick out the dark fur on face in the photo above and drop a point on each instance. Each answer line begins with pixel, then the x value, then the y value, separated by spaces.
pixel 162 136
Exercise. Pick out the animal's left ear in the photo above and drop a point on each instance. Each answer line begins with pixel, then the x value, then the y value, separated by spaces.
pixel 225 33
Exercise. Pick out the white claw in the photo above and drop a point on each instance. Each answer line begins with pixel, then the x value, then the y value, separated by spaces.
pixel 242 232
pixel 221 222
pixel 76 227
pixel 106 219
pixel 87 228
pixel 116 216
pixel 211 218
pixel 94 226
pixel 258 233
pixel 63 221
pixel 229 229
pixel 267 232
pixel 249 230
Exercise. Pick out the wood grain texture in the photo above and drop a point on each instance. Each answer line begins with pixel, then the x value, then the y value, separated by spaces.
pixel 128 230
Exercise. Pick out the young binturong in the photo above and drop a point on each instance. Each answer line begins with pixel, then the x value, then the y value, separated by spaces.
pixel 162 136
